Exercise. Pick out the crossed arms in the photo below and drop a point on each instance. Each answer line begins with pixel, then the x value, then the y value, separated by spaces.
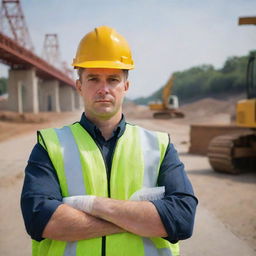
pixel 41 203
pixel 108 217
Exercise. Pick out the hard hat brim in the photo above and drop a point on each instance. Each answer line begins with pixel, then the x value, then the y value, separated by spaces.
pixel 103 64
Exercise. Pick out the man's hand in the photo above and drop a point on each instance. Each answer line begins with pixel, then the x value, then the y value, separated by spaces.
pixel 82 203
pixel 147 194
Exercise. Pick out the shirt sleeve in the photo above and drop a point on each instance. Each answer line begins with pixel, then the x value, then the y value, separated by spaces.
pixel 177 209
pixel 41 194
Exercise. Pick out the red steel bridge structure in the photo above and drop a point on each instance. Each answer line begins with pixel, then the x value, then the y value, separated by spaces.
pixel 16 48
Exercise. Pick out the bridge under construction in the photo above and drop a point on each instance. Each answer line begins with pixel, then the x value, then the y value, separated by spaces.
pixel 35 83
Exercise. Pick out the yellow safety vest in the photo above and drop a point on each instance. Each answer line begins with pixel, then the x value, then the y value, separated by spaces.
pixel 81 170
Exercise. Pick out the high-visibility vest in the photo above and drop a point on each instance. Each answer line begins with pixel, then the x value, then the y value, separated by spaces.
pixel 81 170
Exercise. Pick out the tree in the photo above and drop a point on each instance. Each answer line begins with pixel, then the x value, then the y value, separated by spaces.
pixel 3 85
pixel 206 81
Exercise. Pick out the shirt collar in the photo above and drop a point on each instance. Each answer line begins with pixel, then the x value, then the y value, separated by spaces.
pixel 93 130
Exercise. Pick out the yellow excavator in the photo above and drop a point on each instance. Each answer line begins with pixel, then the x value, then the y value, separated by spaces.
pixel 235 153
pixel 168 107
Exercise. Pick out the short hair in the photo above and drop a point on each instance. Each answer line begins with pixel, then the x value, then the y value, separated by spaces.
pixel 79 73
pixel 81 70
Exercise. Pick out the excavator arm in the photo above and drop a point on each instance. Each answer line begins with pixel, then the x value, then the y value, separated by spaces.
pixel 167 90
pixel 163 109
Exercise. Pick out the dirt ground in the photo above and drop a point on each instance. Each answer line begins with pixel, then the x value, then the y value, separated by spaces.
pixel 230 199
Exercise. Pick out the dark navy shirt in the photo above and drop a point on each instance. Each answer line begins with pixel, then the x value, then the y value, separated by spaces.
pixel 41 193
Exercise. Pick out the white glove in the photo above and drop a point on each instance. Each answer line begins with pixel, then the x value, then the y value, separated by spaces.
pixel 146 194
pixel 82 203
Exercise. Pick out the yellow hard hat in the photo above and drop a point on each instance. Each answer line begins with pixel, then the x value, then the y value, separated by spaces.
pixel 103 48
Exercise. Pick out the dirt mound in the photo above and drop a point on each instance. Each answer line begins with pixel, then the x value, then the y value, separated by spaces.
pixel 21 117
pixel 212 111
pixel 13 124
pixel 208 106
pixel 132 110
pixel 207 110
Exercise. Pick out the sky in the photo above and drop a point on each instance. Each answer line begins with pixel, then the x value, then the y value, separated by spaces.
pixel 165 35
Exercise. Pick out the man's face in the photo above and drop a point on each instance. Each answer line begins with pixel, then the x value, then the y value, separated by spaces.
pixel 103 90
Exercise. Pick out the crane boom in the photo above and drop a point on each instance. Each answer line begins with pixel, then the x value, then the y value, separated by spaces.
pixel 247 20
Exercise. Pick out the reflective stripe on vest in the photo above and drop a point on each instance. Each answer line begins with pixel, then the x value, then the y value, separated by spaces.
pixel 151 250
pixel 73 172
pixel 72 163
pixel 70 249
pixel 80 153
pixel 151 155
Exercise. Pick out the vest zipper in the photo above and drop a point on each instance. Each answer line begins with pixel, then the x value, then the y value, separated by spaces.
pixel 103 244
pixel 114 148
pixel 103 247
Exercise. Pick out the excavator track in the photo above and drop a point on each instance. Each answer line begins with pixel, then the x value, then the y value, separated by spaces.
pixel 233 153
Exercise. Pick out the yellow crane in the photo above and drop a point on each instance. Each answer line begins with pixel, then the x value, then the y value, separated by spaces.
pixel 234 153
pixel 168 107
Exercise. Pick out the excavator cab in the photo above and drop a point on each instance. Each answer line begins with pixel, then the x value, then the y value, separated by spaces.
pixel 173 102
pixel 246 109
pixel 251 76
pixel 236 152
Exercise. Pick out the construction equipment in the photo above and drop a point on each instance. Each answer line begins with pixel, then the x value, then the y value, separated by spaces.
pixel 168 107
pixel 236 152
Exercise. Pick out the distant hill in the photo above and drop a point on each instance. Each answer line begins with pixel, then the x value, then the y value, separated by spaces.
pixel 203 81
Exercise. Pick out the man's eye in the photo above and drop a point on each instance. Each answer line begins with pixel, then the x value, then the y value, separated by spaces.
pixel 114 80
pixel 92 79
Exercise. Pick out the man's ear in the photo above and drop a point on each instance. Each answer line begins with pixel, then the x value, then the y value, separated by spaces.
pixel 126 85
pixel 78 86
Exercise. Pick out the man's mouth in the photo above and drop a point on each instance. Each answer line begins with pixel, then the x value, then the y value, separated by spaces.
pixel 103 101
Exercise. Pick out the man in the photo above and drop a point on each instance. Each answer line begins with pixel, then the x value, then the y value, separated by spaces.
pixel 102 186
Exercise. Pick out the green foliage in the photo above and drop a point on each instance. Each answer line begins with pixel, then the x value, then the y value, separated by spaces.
pixel 3 85
pixel 206 81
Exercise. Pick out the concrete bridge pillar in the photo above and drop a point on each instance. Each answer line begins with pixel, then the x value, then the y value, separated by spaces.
pixel 67 98
pixel 23 91
pixel 49 96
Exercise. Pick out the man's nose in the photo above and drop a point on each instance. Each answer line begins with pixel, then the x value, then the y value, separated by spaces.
pixel 103 88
